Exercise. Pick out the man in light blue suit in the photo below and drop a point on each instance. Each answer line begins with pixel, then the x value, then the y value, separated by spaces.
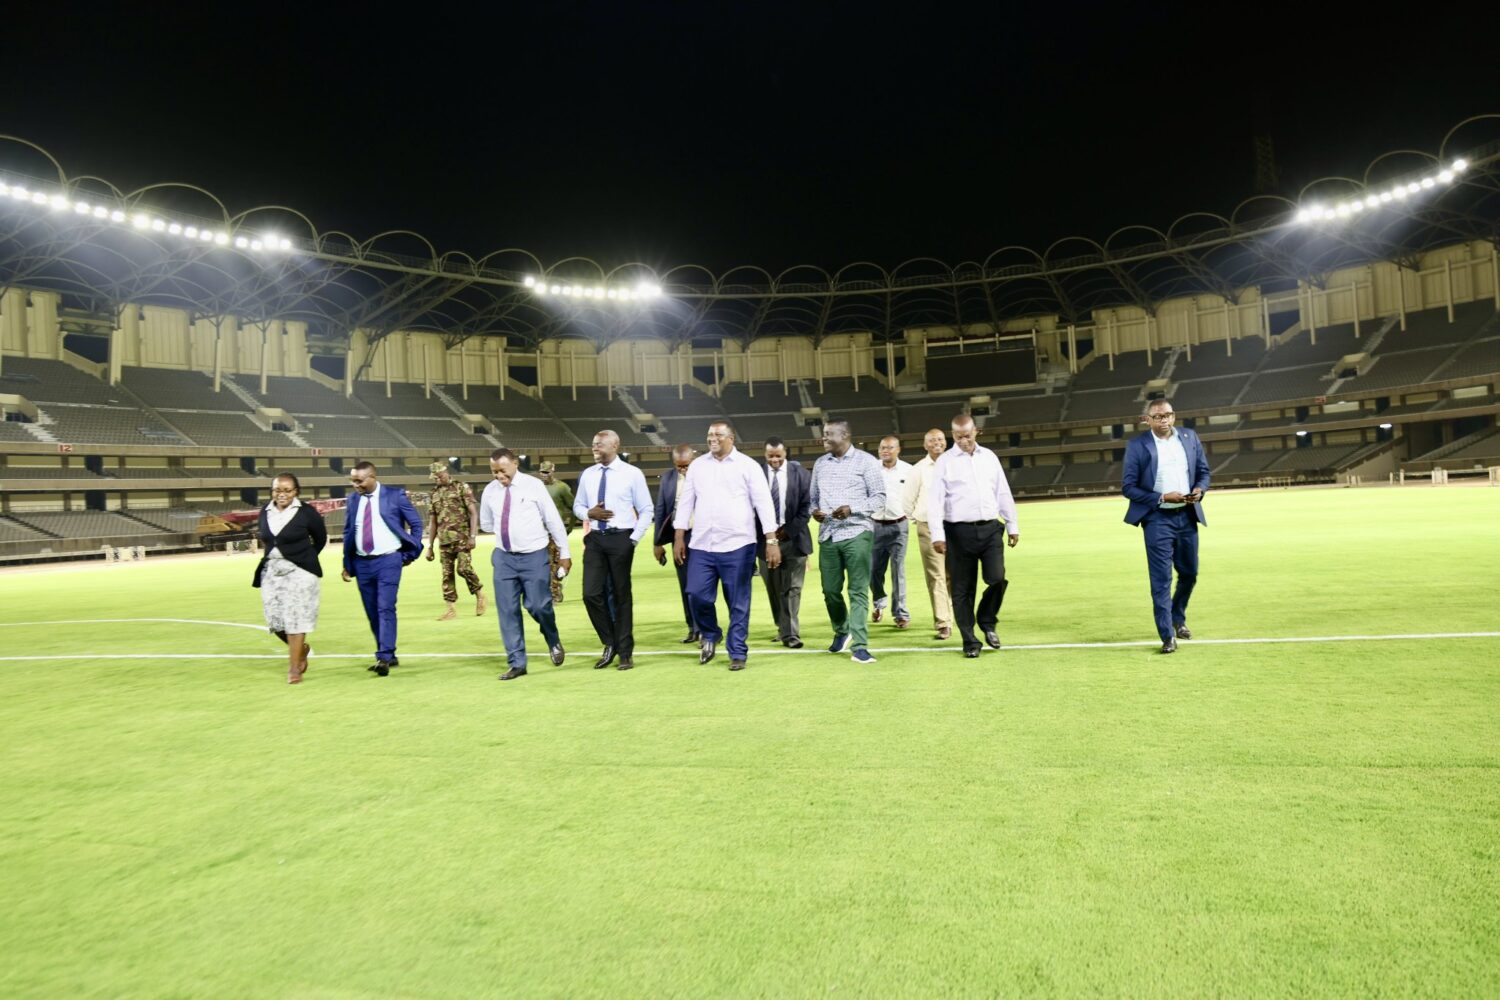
pixel 1166 475
pixel 382 536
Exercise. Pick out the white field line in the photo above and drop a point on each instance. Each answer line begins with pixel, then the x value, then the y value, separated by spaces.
pixel 497 653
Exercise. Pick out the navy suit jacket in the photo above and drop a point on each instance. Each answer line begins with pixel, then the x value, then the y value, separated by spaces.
pixel 1139 481
pixel 796 511
pixel 399 515
pixel 666 498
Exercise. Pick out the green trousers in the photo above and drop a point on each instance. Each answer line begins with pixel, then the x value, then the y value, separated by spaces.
pixel 849 558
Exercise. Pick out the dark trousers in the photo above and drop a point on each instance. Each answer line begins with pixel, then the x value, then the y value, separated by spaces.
pixel 379 578
pixel 974 549
pixel 784 591
pixel 521 580
pixel 682 584
pixel 1171 542
pixel 607 557
pixel 734 570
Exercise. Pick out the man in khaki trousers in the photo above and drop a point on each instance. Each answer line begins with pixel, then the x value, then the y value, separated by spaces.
pixel 918 487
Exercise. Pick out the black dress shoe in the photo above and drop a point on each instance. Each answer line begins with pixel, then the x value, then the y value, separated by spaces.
pixel 1183 632
pixel 393 661
pixel 794 643
pixel 707 650
pixel 1170 646
pixel 972 652
pixel 993 639
pixel 557 655
pixel 626 663
pixel 736 664
pixel 513 673
pixel 605 658
pixel 691 637
pixel 380 668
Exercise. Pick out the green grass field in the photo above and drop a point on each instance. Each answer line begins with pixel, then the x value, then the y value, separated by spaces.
pixel 1249 820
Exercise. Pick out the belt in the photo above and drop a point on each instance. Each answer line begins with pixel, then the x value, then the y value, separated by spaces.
pixel 879 521
pixel 375 555
pixel 1174 510
pixel 611 531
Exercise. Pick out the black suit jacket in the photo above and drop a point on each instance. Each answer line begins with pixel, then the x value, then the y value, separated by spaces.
pixel 796 511
pixel 666 499
pixel 300 541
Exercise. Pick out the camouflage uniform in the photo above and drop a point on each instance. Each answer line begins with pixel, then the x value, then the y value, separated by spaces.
pixel 562 496
pixel 449 510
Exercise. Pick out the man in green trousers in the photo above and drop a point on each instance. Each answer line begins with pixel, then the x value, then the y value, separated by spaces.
pixel 847 488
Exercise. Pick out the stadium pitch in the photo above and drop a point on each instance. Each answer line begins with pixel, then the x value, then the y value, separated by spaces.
pixel 1075 814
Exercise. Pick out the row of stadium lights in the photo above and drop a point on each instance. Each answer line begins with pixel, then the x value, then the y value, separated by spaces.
pixel 644 290
pixel 142 220
pixel 1400 192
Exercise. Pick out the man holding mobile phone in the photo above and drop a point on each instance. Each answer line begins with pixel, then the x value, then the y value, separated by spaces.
pixel 1166 475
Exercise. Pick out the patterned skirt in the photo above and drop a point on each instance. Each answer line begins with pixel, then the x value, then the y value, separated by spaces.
pixel 289 595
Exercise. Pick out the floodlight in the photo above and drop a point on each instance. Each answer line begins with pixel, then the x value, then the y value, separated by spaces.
pixel 1413 187
pixel 101 212
pixel 222 239
pixel 1385 196
pixel 1385 427
pixel 59 203
pixel 284 243
pixel 1446 177
pixel 1371 201
pixel 175 229
pixel 1302 434
pixel 1460 165
pixel 158 225
pixel 117 216
pixel 191 232
pixel 241 242
pixel 1428 182
pixel 19 193
pixel 140 220
pixel 555 289
pixel 530 281
pixel 256 245
pixel 39 198
pixel 205 236
pixel 613 293
pixel 82 207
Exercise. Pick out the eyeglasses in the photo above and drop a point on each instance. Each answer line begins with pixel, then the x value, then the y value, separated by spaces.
pixel 1161 416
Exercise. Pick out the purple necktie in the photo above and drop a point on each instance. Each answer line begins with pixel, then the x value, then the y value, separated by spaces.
pixel 505 521
pixel 367 535
pixel 603 471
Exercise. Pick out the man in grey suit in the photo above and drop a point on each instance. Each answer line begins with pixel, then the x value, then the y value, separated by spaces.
pixel 792 503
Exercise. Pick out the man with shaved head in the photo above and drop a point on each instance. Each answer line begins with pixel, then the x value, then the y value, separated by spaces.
pixel 614 498
pixel 969 498
pixel 847 488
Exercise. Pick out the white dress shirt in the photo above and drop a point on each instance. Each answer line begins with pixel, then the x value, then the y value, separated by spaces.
pixel 969 487
pixel 896 478
pixel 918 488
pixel 533 516
pixel 277 519
pixel 626 495
pixel 721 499
pixel 778 476
pixel 386 541
pixel 1171 467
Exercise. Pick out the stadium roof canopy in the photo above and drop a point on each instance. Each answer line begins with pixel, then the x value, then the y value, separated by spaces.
pixel 177 245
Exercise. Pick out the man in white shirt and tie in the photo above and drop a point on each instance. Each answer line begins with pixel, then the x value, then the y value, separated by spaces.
pixel 520 512
pixel 891 532
pixel 918 490
pixel 620 516
pixel 791 502
pixel 722 499
pixel 969 492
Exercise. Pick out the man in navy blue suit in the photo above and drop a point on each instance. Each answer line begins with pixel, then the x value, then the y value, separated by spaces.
pixel 1166 475
pixel 382 535
pixel 666 506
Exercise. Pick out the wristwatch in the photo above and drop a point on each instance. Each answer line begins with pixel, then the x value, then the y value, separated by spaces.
pixel 773 541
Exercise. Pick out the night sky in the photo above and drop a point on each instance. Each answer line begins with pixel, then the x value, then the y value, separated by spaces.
pixel 766 135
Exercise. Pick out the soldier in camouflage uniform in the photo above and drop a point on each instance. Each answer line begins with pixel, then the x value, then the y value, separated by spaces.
pixel 562 496
pixel 453 520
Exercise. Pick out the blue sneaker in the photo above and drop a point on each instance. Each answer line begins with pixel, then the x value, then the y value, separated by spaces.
pixel 839 642
pixel 862 656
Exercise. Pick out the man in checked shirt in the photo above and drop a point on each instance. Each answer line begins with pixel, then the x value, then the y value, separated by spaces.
pixel 847 487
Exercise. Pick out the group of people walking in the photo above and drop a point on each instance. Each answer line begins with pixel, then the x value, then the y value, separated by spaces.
pixel 722 518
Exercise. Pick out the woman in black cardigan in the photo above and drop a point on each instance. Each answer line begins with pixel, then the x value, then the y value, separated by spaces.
pixel 289 575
